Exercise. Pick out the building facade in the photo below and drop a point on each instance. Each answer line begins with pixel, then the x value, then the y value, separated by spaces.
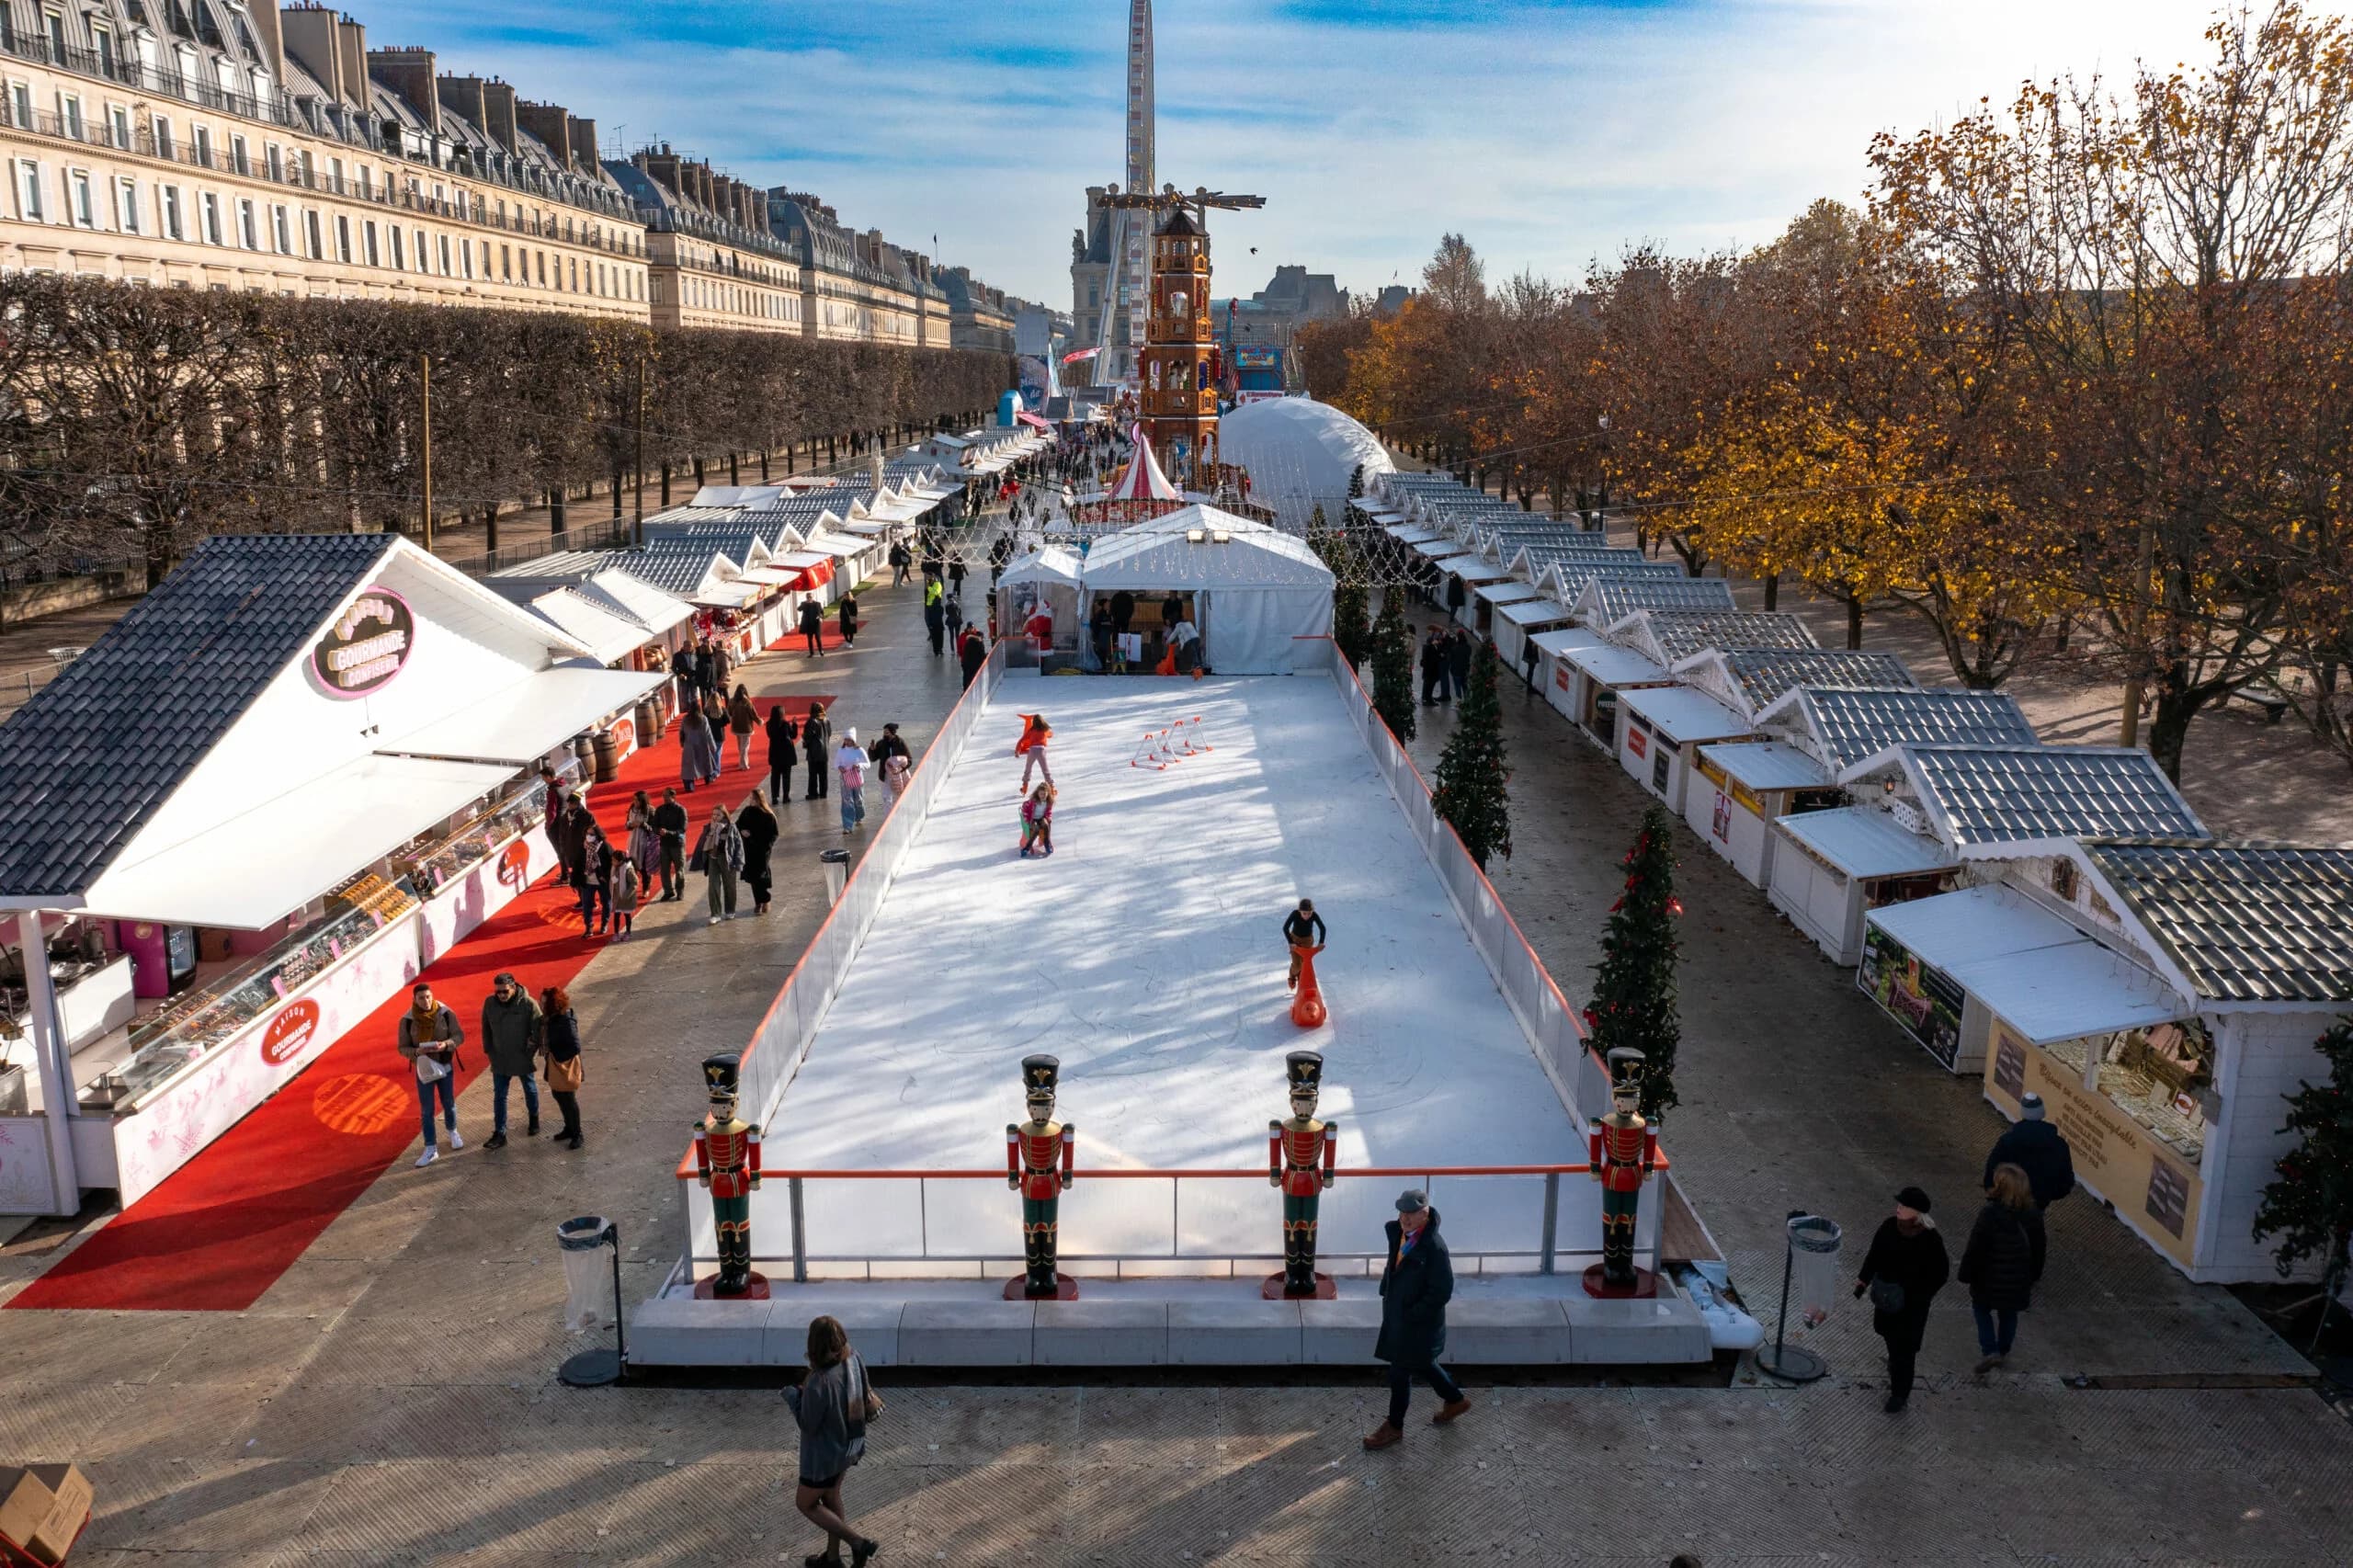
pixel 1256 333
pixel 216 144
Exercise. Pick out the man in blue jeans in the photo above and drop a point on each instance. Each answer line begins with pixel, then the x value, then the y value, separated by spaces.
pixel 429 1038
pixel 510 1038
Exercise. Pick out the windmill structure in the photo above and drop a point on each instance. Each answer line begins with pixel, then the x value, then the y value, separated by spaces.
pixel 1178 371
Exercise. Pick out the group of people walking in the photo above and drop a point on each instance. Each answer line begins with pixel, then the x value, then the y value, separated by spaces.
pixel 527 1042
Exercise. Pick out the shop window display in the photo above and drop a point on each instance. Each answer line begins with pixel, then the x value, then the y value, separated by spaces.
pixel 2162 1077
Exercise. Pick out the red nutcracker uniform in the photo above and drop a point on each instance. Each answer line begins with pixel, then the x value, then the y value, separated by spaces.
pixel 1622 1149
pixel 1038 1154
pixel 727 1164
pixel 1301 1153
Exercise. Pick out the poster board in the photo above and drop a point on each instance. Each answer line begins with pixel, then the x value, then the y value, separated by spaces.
pixel 1917 994
pixel 2153 1189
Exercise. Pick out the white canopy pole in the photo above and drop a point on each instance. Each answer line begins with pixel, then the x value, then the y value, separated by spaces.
pixel 53 1064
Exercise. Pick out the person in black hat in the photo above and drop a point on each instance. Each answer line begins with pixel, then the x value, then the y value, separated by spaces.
pixel 2036 1147
pixel 1415 1284
pixel 1904 1270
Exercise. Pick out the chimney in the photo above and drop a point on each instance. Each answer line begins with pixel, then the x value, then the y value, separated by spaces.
pixel 351 55
pixel 498 104
pixel 582 134
pixel 309 39
pixel 266 33
pixel 551 124
pixel 409 73
pixel 661 166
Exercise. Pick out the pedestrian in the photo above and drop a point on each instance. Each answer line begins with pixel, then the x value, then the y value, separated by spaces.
pixel 715 665
pixel 1123 612
pixel 849 766
pixel 510 1038
pixel 560 1049
pixel 719 855
pixel 1460 646
pixel 574 844
pixel 742 720
pixel 1415 1284
pixel 757 823
pixel 595 881
pixel 1456 596
pixel 1186 641
pixel 783 740
pixel 816 732
pixel 899 561
pixel 973 652
pixel 1302 927
pixel 1038 823
pixel 558 793
pixel 686 670
pixel 951 615
pixel 715 713
pixel 2003 1263
pixel 896 761
pixel 1904 1269
pixel 1000 555
pixel 832 1406
pixel 629 888
pixel 429 1038
pixel 1032 749
pixel 670 826
pixel 812 627
pixel 1528 653
pixel 934 619
pixel 1098 632
pixel 2037 1147
pixel 697 749
pixel 644 839
pixel 956 575
pixel 1433 669
pixel 848 611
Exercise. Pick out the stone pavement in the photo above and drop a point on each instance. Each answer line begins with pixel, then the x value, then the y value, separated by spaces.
pixel 392 1401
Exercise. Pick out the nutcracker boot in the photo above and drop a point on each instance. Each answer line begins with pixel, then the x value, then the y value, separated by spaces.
pixel 1037 1256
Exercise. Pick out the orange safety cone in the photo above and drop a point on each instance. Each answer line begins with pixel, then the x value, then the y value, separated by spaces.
pixel 1307 1006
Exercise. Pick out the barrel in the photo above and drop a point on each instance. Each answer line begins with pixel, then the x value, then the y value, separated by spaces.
pixel 585 749
pixel 648 722
pixel 607 753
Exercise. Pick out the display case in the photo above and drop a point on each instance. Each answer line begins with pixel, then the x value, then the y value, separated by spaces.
pixel 434 866
pixel 172 1038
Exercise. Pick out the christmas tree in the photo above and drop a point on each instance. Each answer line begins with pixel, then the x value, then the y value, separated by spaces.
pixel 1633 991
pixel 2310 1208
pixel 1392 667
pixel 1473 772
pixel 1356 483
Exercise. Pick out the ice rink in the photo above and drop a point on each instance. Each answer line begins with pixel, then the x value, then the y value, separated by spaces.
pixel 1147 953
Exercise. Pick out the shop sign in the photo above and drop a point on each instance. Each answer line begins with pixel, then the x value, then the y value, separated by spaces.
pixel 366 646
pixel 1917 993
pixel 1561 677
pixel 2155 1190
pixel 290 1033
pixel 1638 740
pixel 1721 822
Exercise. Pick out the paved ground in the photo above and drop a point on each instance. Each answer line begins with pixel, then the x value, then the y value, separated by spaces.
pixel 392 1401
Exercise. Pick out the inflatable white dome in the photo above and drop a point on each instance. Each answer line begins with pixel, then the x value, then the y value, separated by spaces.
pixel 1300 454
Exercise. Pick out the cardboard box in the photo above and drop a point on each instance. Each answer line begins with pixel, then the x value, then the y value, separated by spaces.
pixel 44 1507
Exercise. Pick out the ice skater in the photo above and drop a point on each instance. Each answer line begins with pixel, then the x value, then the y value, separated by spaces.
pixel 1302 927
pixel 1037 824
pixel 1032 749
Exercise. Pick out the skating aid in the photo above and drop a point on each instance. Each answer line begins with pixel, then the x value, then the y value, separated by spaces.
pixel 1153 751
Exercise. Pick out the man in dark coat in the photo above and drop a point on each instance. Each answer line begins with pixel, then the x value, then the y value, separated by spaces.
pixel 1123 612
pixel 1433 668
pixel 1415 1284
pixel 935 622
pixel 2036 1148
pixel 1460 646
pixel 511 1036
pixel 573 845
pixel 1908 1265
pixel 973 651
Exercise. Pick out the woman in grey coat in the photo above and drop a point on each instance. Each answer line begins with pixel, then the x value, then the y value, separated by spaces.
pixel 832 1406
pixel 697 749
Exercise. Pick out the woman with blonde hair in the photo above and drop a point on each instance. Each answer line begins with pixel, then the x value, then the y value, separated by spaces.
pixel 833 1406
pixel 2002 1263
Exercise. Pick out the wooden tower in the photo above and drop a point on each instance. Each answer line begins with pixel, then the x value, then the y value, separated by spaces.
pixel 1179 371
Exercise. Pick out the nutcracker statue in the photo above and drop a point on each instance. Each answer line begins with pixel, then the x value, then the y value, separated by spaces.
pixel 1037 1155
pixel 1301 1152
pixel 1622 1149
pixel 727 1163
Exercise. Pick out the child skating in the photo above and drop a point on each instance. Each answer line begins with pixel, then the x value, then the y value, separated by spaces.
pixel 1032 749
pixel 1037 824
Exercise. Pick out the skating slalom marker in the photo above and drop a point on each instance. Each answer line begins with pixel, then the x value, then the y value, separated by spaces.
pixel 1153 751
pixel 1188 730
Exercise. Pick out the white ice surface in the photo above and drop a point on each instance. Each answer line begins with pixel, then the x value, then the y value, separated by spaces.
pixel 1147 954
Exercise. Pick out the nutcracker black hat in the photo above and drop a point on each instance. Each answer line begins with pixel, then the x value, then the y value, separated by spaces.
pixel 722 1073
pixel 1305 1069
pixel 1626 1066
pixel 1040 1074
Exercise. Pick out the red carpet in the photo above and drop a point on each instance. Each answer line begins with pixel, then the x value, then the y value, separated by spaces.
pixel 221 1228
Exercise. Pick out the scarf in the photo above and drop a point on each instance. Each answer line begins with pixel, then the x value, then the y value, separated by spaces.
pixel 424 1023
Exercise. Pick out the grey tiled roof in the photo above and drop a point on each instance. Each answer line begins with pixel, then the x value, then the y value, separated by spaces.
pixel 1681 633
pixel 88 760
pixel 1621 598
pixel 674 566
pixel 2245 922
pixel 2000 794
pixel 1765 673
pixel 1576 574
pixel 1859 725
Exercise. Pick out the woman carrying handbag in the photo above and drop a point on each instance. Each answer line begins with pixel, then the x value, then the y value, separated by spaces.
pixel 560 1049
pixel 833 1406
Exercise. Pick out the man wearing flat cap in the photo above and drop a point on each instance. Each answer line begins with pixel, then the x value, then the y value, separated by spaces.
pixel 1415 1284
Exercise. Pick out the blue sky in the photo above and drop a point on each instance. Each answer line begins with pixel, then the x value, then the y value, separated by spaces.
pixel 1550 133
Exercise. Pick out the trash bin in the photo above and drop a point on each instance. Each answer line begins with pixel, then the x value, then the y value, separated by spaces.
pixel 837 873
pixel 587 1275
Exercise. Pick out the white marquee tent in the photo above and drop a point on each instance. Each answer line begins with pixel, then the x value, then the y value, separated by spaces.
pixel 1300 455
pixel 1255 588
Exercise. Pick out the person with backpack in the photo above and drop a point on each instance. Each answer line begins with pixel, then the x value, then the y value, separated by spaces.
pixel 2002 1264
pixel 832 1407
pixel 1904 1269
